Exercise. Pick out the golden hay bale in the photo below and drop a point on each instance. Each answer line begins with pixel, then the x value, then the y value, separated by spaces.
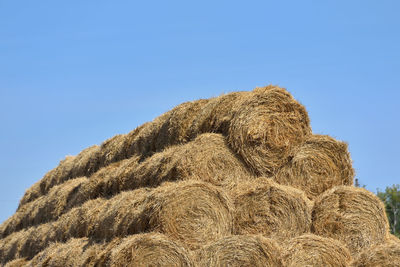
pixel 17 263
pixel 120 216
pixel 352 215
pixel 192 212
pixel 216 115
pixel 319 164
pixel 175 129
pixel 267 125
pixel 43 209
pixel 265 207
pixel 150 249
pixel 386 254
pixel 241 250
pixel 71 167
pixel 313 251
pixel 75 252
pixel 27 242
pixel 207 158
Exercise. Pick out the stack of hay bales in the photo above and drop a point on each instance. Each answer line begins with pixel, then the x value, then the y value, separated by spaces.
pixel 236 180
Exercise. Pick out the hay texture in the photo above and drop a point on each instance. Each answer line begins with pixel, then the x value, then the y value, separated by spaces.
pixel 315 251
pixel 241 250
pixel 75 252
pixel 70 167
pixel 263 126
pixel 194 213
pixel 150 249
pixel 319 164
pixel 352 215
pixel 43 209
pixel 386 254
pixel 207 158
pixel 16 263
pixel 191 212
pixel 266 126
pixel 265 207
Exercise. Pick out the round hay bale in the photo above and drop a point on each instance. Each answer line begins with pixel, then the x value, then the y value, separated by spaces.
pixel 273 210
pixel 386 254
pixel 216 115
pixel 105 182
pixel 318 165
pixel 207 158
pixel 71 167
pixel 75 252
pixel 267 125
pixel 150 249
pixel 27 242
pixel 175 129
pixel 43 209
pixel 192 212
pixel 241 250
pixel 313 250
pixel 111 150
pixel 352 215
pixel 121 215
pixel 17 263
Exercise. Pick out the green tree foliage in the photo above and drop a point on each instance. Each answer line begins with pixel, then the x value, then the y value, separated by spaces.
pixel 391 198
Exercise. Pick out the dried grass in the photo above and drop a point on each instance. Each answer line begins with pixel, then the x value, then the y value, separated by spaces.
pixel 393 238
pixel 386 254
pixel 16 263
pixel 207 158
pixel 43 209
pixel 216 115
pixel 241 250
pixel 319 164
pixel 265 207
pixel 191 212
pixel 266 126
pixel 75 252
pixel 71 167
pixel 352 215
pixel 315 251
pixel 175 129
pixel 150 250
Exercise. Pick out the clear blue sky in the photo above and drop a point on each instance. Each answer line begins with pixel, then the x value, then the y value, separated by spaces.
pixel 74 73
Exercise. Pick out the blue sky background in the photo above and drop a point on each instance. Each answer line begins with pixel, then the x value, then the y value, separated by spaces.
pixel 74 73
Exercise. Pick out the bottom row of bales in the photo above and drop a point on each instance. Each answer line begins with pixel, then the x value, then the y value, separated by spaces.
pixel 154 249
pixel 210 226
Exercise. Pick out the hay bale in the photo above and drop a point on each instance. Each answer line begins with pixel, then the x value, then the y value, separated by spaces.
pixel 27 242
pixel 43 209
pixel 319 164
pixel 75 252
pixel 265 207
pixel 216 115
pixel 241 250
pixel 150 249
pixel 266 126
pixel 313 250
pixel 352 215
pixel 207 158
pixel 71 167
pixel 17 263
pixel 120 216
pixel 176 128
pixel 386 254
pixel 191 212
